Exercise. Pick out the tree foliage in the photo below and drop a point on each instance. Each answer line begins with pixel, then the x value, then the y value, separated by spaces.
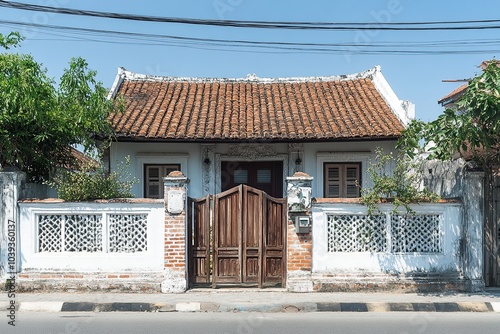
pixel 401 186
pixel 471 128
pixel 39 120
pixel 92 182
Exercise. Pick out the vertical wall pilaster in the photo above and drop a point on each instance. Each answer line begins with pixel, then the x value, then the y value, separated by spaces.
pixel 473 200
pixel 209 163
pixel 299 240
pixel 11 190
pixel 175 252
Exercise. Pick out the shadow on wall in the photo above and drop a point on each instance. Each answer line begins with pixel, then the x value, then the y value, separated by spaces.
pixel 444 178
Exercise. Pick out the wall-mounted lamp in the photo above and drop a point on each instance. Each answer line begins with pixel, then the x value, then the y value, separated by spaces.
pixel 207 161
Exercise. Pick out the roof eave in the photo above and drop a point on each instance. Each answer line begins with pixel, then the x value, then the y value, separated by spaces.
pixel 254 140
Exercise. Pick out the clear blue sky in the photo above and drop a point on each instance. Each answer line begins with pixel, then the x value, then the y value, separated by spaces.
pixel 417 78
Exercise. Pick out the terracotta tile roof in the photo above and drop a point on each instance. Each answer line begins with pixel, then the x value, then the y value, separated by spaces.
pixel 453 95
pixel 251 109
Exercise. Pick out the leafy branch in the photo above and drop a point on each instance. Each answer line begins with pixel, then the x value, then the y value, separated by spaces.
pixel 401 186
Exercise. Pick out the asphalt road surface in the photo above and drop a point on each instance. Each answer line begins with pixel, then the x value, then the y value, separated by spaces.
pixel 253 323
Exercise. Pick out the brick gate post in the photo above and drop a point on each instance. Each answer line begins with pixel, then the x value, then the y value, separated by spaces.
pixel 299 235
pixel 175 252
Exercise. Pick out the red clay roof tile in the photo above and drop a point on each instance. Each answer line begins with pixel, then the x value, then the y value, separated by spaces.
pixel 297 109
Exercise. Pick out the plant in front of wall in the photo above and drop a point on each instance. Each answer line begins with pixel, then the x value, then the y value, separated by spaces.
pixel 92 182
pixel 399 186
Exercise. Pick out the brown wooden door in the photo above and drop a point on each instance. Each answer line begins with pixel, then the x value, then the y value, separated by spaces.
pixel 248 239
pixel 263 175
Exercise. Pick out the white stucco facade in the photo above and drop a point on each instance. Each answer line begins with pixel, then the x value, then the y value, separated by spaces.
pixel 205 177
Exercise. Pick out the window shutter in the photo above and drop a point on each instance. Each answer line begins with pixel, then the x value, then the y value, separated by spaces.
pixel 333 175
pixel 154 174
pixel 351 181
pixel 342 180
pixel 153 181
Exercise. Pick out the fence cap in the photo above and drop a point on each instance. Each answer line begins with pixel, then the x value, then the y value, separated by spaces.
pixel 176 174
pixel 299 176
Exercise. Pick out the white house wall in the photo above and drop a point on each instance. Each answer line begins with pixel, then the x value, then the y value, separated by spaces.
pixel 186 154
pixel 191 157
pixel 317 153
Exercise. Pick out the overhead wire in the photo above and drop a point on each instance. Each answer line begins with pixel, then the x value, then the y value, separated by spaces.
pixel 393 47
pixel 340 26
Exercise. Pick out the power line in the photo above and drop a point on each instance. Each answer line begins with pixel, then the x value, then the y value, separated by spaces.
pixel 387 48
pixel 395 26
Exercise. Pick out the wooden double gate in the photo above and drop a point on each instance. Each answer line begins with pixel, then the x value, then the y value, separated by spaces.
pixel 492 231
pixel 237 237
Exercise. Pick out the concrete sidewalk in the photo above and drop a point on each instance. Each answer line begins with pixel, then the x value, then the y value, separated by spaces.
pixel 252 300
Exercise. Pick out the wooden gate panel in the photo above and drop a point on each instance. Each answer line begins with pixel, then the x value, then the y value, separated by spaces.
pixel 248 238
pixel 227 236
pixel 496 229
pixel 274 240
pixel 492 231
pixel 199 240
pixel 252 234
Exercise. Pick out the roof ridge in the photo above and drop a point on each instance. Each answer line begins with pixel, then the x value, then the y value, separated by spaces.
pixel 129 75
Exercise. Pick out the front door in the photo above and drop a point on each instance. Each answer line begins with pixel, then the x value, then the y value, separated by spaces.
pixel 237 237
pixel 263 175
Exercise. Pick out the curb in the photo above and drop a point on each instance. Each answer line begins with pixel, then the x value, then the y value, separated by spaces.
pixel 256 307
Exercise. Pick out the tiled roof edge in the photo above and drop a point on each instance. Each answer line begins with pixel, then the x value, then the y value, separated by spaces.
pixel 453 95
pixel 132 76
pixel 403 109
pixel 120 76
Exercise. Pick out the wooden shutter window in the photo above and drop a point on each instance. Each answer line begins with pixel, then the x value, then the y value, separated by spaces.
pixel 342 180
pixel 153 181
pixel 154 175
pixel 333 181
pixel 352 181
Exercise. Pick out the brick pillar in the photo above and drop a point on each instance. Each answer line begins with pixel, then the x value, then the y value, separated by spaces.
pixel 175 261
pixel 299 239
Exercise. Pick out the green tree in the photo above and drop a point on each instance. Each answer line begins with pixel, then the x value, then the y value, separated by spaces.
pixel 40 121
pixel 471 128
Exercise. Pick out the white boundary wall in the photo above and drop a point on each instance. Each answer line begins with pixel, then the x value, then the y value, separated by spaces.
pixel 446 261
pixel 30 259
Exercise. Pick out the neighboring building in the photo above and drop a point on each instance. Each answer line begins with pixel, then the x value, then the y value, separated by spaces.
pixel 450 99
pixel 491 238
pixel 255 131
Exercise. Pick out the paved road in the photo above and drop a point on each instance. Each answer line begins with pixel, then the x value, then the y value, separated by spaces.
pixel 253 323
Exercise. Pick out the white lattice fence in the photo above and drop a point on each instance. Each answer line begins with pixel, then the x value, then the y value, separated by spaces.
pixel 128 233
pixel 384 233
pixel 418 233
pixel 122 233
pixel 356 233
